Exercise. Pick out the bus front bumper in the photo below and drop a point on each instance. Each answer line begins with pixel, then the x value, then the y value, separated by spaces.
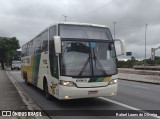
pixel 74 92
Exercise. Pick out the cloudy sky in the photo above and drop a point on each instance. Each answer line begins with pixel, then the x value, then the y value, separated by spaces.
pixel 26 18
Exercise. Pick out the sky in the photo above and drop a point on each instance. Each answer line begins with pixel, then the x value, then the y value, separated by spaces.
pixel 24 19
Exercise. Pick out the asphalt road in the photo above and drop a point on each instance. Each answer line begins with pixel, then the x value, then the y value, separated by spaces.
pixel 131 96
pixel 144 96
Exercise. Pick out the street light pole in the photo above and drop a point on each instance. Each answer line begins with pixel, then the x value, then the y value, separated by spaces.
pixel 65 18
pixel 114 29
pixel 145 43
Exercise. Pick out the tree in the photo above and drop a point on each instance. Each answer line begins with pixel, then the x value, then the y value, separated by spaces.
pixel 157 60
pixel 133 58
pixel 8 46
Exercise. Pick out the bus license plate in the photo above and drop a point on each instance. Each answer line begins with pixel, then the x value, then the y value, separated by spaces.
pixel 92 92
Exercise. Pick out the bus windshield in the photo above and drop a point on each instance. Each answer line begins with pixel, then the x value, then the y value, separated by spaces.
pixel 16 62
pixel 87 59
pixel 87 52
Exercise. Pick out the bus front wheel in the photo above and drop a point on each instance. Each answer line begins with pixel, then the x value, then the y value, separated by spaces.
pixel 46 92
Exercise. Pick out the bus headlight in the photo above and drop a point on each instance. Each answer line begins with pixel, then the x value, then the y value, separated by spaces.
pixel 67 83
pixel 113 81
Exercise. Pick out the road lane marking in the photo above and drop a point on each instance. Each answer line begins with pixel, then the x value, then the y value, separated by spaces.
pixel 118 103
pixel 127 106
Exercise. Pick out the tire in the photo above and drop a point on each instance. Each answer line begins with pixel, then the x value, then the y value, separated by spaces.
pixel 46 92
pixel 26 79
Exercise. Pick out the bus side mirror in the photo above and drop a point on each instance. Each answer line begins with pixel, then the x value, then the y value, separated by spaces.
pixel 57 44
pixel 122 46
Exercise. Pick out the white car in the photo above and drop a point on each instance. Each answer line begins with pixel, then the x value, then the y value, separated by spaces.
pixel 16 65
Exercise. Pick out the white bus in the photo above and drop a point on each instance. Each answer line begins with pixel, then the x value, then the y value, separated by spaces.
pixel 72 60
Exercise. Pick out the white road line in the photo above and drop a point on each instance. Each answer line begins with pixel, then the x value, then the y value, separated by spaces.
pixel 127 106
pixel 118 103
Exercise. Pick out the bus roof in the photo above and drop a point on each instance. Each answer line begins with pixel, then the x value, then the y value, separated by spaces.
pixel 69 23
pixel 80 24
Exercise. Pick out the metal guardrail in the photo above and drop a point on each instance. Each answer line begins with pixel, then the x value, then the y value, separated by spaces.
pixel 142 67
pixel 140 75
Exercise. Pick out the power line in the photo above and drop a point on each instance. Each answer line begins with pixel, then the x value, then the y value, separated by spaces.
pixel 94 10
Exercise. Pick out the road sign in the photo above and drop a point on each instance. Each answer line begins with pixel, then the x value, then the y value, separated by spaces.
pixel 128 53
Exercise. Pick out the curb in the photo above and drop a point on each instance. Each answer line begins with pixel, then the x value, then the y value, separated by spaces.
pixel 138 81
pixel 23 95
pixel 140 78
pixel 15 83
pixel 139 72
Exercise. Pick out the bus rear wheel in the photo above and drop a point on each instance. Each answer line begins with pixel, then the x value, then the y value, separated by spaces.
pixel 26 79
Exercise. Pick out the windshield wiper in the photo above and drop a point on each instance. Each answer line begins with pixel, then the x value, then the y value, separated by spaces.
pixel 85 65
pixel 99 63
pixel 96 61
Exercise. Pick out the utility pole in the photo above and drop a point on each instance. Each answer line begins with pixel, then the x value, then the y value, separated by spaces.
pixel 145 43
pixel 153 50
pixel 65 18
pixel 114 29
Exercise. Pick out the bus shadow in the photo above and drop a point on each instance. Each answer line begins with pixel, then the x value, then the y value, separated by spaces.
pixel 84 103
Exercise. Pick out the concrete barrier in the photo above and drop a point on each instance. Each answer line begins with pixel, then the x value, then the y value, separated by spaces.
pixel 138 75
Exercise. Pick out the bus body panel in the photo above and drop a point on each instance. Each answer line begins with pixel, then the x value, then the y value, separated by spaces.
pixel 65 92
pixel 87 82
pixel 38 67
pixel 43 69
pixel 74 92
pixel 53 86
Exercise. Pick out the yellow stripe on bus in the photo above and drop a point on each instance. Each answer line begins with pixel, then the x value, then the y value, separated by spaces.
pixel 106 79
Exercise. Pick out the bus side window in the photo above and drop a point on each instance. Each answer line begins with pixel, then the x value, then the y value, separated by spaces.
pixel 34 45
pixel 44 41
pixel 37 45
pixel 52 56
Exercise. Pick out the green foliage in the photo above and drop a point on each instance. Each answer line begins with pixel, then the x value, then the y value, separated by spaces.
pixel 153 62
pixel 157 60
pixel 126 64
pixel 8 47
pixel 150 62
pixel 132 62
pixel 138 63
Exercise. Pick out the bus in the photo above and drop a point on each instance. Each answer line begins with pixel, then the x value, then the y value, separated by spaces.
pixel 72 60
